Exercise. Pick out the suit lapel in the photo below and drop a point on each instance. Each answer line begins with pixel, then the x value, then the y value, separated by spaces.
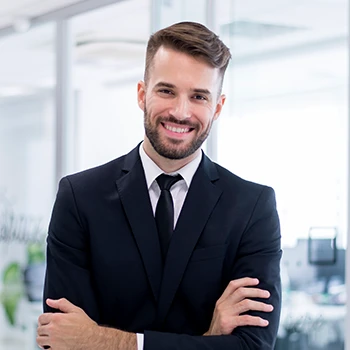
pixel 200 201
pixel 134 196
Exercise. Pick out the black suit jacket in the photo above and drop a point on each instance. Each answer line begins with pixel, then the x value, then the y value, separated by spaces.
pixel 103 254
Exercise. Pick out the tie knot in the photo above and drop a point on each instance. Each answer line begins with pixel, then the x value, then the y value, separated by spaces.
pixel 166 181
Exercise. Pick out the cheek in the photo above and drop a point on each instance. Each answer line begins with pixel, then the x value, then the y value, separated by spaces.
pixel 156 108
pixel 205 117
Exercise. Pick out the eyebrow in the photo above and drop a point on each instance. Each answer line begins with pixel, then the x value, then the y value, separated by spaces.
pixel 172 86
pixel 163 84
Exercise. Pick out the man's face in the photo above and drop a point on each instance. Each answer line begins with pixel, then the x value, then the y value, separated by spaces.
pixel 180 102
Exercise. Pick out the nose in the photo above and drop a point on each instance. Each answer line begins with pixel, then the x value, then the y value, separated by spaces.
pixel 181 108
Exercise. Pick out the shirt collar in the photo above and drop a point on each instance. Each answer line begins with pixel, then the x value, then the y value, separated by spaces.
pixel 152 170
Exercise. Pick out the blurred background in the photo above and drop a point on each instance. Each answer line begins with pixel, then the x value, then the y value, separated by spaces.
pixel 68 75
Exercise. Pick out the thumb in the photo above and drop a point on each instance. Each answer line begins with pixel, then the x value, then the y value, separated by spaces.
pixel 62 304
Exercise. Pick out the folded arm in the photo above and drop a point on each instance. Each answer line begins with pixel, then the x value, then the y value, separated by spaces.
pixel 240 315
pixel 258 257
pixel 68 262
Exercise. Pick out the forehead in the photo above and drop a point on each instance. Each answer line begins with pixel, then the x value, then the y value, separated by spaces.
pixel 181 68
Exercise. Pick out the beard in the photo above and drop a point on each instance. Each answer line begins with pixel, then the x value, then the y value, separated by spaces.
pixel 172 148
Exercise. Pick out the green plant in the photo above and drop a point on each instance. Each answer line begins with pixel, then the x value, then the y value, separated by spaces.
pixel 35 253
pixel 12 290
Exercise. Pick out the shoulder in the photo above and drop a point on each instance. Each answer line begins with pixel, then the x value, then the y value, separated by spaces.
pixel 233 184
pixel 98 174
pixel 104 174
pixel 233 180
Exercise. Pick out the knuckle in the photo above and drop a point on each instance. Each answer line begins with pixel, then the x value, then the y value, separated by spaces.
pixel 232 284
pixel 39 341
pixel 220 308
pixel 246 304
pixel 245 319
pixel 241 292
pixel 225 324
pixel 50 329
pixel 56 318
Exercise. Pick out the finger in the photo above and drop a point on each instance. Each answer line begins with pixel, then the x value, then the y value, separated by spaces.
pixel 43 342
pixel 235 284
pixel 42 331
pixel 247 320
pixel 228 324
pixel 241 301
pixel 247 293
pixel 62 304
pixel 45 318
pixel 252 305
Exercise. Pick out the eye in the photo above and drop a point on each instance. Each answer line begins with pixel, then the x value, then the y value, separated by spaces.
pixel 200 97
pixel 165 91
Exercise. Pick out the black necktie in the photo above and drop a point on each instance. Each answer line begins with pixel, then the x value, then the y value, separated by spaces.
pixel 165 211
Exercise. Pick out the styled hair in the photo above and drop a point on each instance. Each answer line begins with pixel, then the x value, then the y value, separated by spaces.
pixel 193 39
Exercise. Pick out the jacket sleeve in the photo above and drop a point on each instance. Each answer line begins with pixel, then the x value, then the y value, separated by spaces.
pixel 68 255
pixel 259 255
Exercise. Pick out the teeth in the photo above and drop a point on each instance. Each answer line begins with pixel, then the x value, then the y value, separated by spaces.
pixel 179 130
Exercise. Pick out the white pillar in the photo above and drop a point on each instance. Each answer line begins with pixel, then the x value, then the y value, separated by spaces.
pixel 347 260
pixel 64 100
pixel 212 141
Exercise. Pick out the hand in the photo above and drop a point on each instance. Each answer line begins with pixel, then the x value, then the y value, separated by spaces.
pixel 234 301
pixel 71 329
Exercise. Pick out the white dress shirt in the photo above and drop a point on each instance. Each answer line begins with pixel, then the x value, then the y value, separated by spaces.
pixel 178 191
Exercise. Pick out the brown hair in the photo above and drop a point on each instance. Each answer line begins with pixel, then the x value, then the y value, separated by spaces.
pixel 193 39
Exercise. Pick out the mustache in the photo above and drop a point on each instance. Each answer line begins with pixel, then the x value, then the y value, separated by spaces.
pixel 172 119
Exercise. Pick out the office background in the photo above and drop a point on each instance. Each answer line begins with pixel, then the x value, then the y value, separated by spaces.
pixel 68 74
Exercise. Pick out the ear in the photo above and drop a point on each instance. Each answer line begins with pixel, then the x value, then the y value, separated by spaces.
pixel 141 94
pixel 219 105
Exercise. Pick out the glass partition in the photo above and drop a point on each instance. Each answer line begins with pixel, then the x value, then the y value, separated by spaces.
pixel 286 126
pixel 108 63
pixel 27 188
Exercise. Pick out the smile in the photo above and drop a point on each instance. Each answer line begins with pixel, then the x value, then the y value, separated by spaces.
pixel 176 129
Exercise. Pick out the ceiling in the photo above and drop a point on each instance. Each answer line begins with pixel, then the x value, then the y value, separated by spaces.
pixel 110 42
pixel 14 11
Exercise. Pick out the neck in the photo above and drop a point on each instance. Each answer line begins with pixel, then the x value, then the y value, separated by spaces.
pixel 166 164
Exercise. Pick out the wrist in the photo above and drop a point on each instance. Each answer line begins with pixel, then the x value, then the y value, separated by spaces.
pixel 115 339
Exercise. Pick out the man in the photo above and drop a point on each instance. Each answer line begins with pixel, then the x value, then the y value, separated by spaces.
pixel 118 283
